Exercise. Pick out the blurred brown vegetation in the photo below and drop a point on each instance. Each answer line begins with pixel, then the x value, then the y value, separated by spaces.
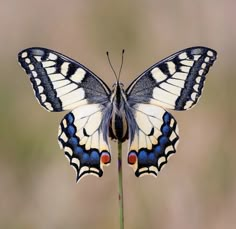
pixel 197 189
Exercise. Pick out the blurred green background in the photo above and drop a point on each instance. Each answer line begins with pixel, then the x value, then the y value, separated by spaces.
pixel 196 189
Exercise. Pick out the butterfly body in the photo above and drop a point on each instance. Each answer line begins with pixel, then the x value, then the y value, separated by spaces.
pixel 137 114
pixel 118 121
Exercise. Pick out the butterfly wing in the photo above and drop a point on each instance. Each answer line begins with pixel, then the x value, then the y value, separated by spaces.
pixel 175 82
pixel 83 136
pixel 155 139
pixel 59 82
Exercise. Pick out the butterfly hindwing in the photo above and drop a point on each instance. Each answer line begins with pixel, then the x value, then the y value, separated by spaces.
pixel 175 82
pixel 155 139
pixel 81 135
pixel 59 82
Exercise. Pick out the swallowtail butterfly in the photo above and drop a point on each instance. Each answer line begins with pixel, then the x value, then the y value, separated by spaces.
pixel 137 114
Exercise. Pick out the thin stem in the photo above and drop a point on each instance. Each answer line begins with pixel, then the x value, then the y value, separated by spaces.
pixel 120 177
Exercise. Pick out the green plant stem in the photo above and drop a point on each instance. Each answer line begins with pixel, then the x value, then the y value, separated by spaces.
pixel 120 178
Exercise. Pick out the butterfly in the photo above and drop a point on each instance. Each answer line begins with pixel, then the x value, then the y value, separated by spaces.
pixel 137 114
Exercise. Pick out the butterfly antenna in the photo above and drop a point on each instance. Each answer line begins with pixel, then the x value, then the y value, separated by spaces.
pixel 111 65
pixel 122 61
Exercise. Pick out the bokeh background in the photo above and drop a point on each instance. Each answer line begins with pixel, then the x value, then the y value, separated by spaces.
pixel 196 189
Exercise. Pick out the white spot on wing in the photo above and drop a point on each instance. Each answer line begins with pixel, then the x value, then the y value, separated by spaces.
pixel 193 96
pixel 171 67
pixel 50 70
pixel 210 53
pixel 83 140
pixel 168 149
pixel 154 169
pixel 24 54
pixel 78 75
pixel 43 97
pixel 64 123
pixel 160 161
pixel 64 137
pixel 38 58
pixel 34 73
pixel 69 151
pixel 66 89
pixel 207 59
pixel 185 69
pixel 196 57
pixel 188 104
pixel 83 169
pixel 31 67
pixel 48 106
pixel 204 65
pixel 48 63
pixel 187 62
pixel 75 161
pixel 40 89
pixel 52 56
pixel 196 87
pixel 176 82
pixel 64 68
pixel 158 75
pixel 180 75
pixel 27 60
pixel 60 83
pixel 198 79
pixel 171 88
pixel 172 136
pixel 183 56
pixel 38 81
pixel 201 71
pixel 57 76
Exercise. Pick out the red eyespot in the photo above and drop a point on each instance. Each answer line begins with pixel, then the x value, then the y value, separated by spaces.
pixel 132 158
pixel 105 157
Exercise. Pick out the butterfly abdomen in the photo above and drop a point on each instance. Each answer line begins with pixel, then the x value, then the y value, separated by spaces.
pixel 118 128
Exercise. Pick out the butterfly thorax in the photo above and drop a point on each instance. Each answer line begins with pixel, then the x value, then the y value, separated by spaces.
pixel 118 122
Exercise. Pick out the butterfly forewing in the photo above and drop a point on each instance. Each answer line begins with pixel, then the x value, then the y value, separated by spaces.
pixel 59 82
pixel 175 82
